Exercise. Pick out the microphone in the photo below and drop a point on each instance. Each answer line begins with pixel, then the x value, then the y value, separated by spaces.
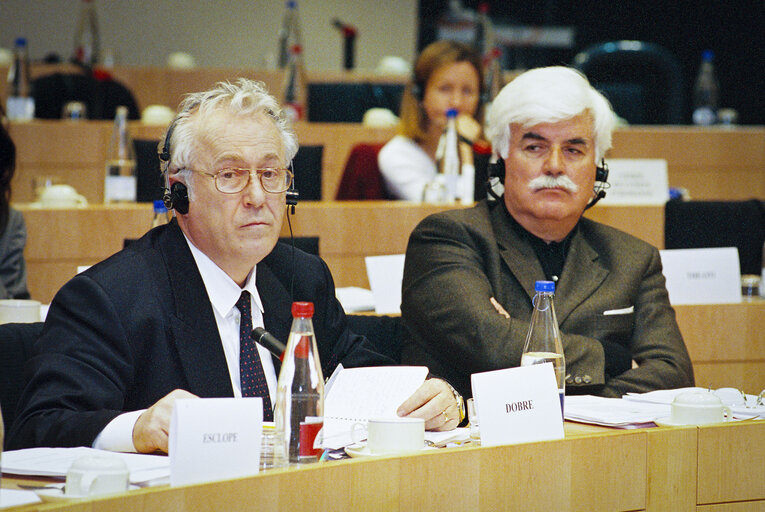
pixel 349 39
pixel 269 341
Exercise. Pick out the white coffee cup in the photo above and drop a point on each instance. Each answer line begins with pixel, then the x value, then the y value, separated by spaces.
pixel 94 475
pixel 61 196
pixel 698 408
pixel 19 311
pixel 392 435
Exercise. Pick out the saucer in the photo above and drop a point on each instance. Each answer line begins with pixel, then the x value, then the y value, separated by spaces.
pixel 56 494
pixel 666 421
pixel 356 451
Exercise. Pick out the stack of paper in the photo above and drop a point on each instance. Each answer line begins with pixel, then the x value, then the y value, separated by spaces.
pixel 613 412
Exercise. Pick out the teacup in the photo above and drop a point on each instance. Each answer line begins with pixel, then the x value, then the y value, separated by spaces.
pixel 58 196
pixel 392 435
pixel 93 475
pixel 698 408
pixel 19 311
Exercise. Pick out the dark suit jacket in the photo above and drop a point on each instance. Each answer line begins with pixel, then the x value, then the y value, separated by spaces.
pixel 457 260
pixel 129 330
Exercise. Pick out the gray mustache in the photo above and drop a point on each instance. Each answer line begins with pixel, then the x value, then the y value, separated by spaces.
pixel 561 181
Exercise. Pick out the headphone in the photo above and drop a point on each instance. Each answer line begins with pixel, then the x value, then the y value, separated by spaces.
pixel 177 195
pixel 497 170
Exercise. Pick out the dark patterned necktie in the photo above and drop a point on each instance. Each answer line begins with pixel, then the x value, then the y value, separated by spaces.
pixel 253 379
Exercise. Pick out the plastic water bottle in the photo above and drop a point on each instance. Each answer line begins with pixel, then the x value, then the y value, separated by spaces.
pixel 705 92
pixel 20 105
pixel 295 96
pixel 448 155
pixel 120 181
pixel 543 343
pixel 289 33
pixel 161 215
pixel 299 409
pixel 87 49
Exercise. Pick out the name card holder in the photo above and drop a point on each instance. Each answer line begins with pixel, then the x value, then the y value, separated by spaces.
pixel 518 405
pixel 214 439
pixel 702 276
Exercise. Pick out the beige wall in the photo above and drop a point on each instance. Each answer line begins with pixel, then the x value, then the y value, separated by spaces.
pixel 231 33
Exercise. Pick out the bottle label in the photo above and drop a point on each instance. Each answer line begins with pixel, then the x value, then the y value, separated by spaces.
pixel 309 429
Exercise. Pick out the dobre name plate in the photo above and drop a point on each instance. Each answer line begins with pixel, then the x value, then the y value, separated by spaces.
pixel 702 276
pixel 214 439
pixel 518 405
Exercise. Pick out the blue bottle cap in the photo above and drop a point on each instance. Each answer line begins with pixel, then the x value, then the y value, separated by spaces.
pixel 159 206
pixel 452 112
pixel 544 286
pixel 707 55
pixel 21 42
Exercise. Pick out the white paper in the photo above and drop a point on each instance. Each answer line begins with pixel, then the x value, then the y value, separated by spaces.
pixel 637 181
pixel 358 394
pixel 215 439
pixel 353 299
pixel 702 276
pixel 15 497
pixel 613 412
pixel 518 405
pixel 385 274
pixel 55 462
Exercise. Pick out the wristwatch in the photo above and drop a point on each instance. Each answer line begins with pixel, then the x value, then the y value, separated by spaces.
pixel 460 402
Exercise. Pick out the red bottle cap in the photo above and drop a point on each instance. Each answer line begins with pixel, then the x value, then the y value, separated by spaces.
pixel 302 309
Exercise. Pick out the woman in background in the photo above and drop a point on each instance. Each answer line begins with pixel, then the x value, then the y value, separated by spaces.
pixel 447 75
pixel 13 231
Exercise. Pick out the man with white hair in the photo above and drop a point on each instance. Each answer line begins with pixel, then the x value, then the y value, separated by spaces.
pixel 469 274
pixel 169 317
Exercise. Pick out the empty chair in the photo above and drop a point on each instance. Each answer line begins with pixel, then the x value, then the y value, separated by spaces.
pixel 307 168
pixel 641 80
pixel 361 176
pixel 347 102
pixel 698 224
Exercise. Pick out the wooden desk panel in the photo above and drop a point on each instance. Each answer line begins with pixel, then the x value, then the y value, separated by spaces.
pixel 710 163
pixel 726 343
pixel 592 469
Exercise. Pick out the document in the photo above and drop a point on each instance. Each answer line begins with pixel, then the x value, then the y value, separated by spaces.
pixel 613 412
pixel 55 462
pixel 357 394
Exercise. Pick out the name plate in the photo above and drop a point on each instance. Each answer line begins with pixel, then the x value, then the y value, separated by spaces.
pixel 637 181
pixel 702 276
pixel 518 405
pixel 385 275
pixel 214 439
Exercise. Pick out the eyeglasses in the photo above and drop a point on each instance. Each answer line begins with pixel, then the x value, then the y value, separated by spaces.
pixel 232 180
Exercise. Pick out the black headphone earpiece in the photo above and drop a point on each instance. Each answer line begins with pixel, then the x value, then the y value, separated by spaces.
pixel 177 198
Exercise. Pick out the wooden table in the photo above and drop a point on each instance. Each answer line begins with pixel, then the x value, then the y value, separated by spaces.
pixel 711 468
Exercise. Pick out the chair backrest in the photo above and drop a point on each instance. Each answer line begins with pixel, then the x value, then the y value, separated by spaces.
pixel 16 342
pixel 698 224
pixel 361 176
pixel 100 93
pixel 309 244
pixel 386 333
pixel 307 168
pixel 347 102
pixel 642 80
pixel 149 185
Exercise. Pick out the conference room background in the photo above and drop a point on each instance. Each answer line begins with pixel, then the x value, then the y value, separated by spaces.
pixel 243 33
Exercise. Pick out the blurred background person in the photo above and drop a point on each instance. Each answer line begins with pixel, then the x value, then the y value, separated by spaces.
pixel 447 75
pixel 13 231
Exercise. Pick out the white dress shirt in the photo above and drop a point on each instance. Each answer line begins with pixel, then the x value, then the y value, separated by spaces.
pixel 223 293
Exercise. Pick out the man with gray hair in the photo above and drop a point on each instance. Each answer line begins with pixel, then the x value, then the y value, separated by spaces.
pixel 169 317
pixel 469 274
